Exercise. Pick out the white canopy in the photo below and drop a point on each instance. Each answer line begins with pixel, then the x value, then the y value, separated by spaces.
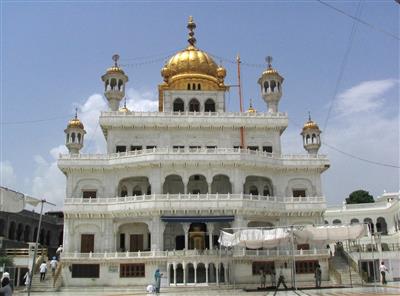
pixel 330 234
pixel 14 202
pixel 254 238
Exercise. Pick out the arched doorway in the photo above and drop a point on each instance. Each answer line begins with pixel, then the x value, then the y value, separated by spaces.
pixel 171 274
pixel 194 105
pixel 370 224
pixel 197 184
pixel 178 105
pixel 221 273
pixel 221 184
pixel 190 273
pixel 209 106
pixel 27 233
pixel 174 237
pixel 179 274
pixel 197 236
pixel 257 185
pixel 11 230
pixel 201 273
pixel 173 184
pixel 212 273
pixel 381 226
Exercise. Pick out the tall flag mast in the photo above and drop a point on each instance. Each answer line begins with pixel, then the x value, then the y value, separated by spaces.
pixel 242 141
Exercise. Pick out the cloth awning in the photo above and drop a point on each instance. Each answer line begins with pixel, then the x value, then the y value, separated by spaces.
pixel 198 219
pixel 329 233
pixel 254 238
pixel 14 202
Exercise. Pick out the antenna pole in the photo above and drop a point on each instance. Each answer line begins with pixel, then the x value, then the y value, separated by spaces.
pixel 242 142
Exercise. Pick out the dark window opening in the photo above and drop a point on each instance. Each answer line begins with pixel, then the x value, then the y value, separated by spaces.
pixel 196 177
pixel 134 148
pixel 209 106
pixel 266 192
pixel 199 86
pixel 253 190
pixel 306 266
pixel 211 147
pixel 178 106
pixel 267 149
pixel 299 193
pixel 121 149
pixel 303 247
pixel 89 194
pixel 122 242
pixel 252 148
pixel 196 191
pixel 188 86
pixel 85 270
pixel 137 192
pixel 178 148
pixel 266 266
pixel 132 270
pixel 151 147
pixel 87 243
pixel 236 147
pixel 194 106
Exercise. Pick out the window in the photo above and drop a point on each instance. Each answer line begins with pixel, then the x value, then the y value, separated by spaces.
pixel 122 242
pixel 306 266
pixel 236 147
pixel 132 270
pixel 303 246
pixel 267 149
pixel 211 147
pixel 196 191
pixel 194 105
pixel 120 149
pixel 87 243
pixel 299 193
pixel 151 147
pixel 178 105
pixel 178 148
pixel 196 177
pixel 89 194
pixel 267 266
pixel 194 148
pixel 134 148
pixel 209 106
pixel 252 148
pixel 253 190
pixel 85 270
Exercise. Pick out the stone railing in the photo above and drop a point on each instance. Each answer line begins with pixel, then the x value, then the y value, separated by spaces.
pixel 194 151
pixel 104 256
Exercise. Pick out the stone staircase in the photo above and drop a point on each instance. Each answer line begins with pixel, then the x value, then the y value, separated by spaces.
pixel 341 267
pixel 42 286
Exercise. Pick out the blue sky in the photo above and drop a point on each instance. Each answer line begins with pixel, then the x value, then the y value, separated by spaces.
pixel 53 54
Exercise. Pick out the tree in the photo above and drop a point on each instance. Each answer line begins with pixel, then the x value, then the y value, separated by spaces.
pixel 359 196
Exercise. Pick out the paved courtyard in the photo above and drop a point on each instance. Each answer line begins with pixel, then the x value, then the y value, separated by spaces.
pixel 364 291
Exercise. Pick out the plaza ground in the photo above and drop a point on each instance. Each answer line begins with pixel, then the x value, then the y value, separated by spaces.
pixel 391 289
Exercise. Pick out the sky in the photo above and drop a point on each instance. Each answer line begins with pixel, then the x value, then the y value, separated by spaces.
pixel 346 73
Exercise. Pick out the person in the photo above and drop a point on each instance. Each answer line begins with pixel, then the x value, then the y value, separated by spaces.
pixel 5 275
pixel 59 251
pixel 27 279
pixel 157 277
pixel 383 269
pixel 43 269
pixel 262 278
pixel 6 287
pixel 318 276
pixel 281 280
pixel 53 265
pixel 273 278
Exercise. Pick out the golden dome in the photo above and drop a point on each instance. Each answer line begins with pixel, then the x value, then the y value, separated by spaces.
pixel 310 124
pixel 251 109
pixel 75 123
pixel 115 68
pixel 270 70
pixel 124 109
pixel 192 65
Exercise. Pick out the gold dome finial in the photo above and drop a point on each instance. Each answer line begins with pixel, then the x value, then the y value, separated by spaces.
pixel 124 109
pixel 310 124
pixel 75 122
pixel 115 58
pixel 251 109
pixel 269 62
pixel 191 26
pixel 115 68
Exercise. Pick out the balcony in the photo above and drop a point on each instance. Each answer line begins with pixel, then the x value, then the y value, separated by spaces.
pixel 187 155
pixel 165 204
pixel 110 119
pixel 195 254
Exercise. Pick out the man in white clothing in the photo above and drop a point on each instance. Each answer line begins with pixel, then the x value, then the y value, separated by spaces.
pixel 43 269
pixel 383 269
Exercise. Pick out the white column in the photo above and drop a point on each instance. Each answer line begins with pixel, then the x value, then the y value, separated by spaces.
pixel 174 266
pixel 209 187
pixel 217 273
pixel 206 273
pixel 186 227
pixel 157 227
pixel 210 229
pixel 195 272
pixel 225 274
pixel 184 273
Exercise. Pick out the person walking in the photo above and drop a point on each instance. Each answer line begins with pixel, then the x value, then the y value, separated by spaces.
pixel 281 280
pixel 263 279
pixel 157 277
pixel 383 269
pixel 273 277
pixel 53 265
pixel 43 269
pixel 318 276
pixel 27 279
pixel 6 287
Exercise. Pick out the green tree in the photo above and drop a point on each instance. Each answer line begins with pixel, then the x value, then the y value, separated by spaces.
pixel 359 196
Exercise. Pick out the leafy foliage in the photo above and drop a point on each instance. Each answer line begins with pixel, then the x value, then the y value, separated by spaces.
pixel 359 196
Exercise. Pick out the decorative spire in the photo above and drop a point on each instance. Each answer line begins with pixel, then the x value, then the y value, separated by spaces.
pixel 115 58
pixel 76 113
pixel 251 104
pixel 309 116
pixel 125 103
pixel 269 62
pixel 191 26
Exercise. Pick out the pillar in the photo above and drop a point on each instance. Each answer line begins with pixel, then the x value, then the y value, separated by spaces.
pixel 174 267
pixel 184 273
pixel 210 229
pixel 206 265
pixel 217 272
pixel 195 272
pixel 157 227
pixel 226 274
pixel 209 187
pixel 186 227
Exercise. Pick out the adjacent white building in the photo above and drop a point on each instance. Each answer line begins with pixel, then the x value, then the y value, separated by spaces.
pixel 383 218
pixel 172 179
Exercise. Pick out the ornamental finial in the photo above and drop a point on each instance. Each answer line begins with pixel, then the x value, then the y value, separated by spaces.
pixel 309 116
pixel 191 26
pixel 269 61
pixel 76 113
pixel 115 58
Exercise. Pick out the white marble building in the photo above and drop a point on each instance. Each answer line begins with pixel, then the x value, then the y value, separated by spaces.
pixel 383 217
pixel 172 179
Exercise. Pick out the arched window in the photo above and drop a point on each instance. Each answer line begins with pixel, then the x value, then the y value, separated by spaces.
pixel 381 225
pixel 273 85
pixel 194 105
pixel 209 106
pixel 73 137
pixel 188 86
pixel 137 191
pixel 11 231
pixel 253 190
pixel 113 83
pixel 79 138
pixel 124 191
pixel 354 221
pixel 148 190
pixel 336 222
pixel 67 139
pixel 120 83
pixel 179 106
pixel 266 191
pixel 266 86
pixel 194 86
pixel 314 139
pixel 308 139
pixel 199 86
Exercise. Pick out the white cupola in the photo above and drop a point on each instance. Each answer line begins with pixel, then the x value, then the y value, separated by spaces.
pixel 75 133
pixel 311 136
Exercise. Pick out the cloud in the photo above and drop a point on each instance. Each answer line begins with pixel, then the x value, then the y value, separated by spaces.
pixel 8 177
pixel 366 96
pixel 48 181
